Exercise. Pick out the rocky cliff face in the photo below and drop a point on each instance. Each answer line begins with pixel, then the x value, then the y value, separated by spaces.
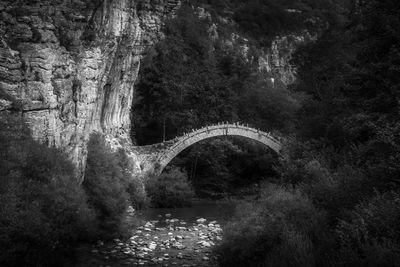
pixel 274 61
pixel 69 66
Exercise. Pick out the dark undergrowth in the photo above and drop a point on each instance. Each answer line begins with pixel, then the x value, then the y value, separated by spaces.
pixel 336 199
pixel 170 189
pixel 45 212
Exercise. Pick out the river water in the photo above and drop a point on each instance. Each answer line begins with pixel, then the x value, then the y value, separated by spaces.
pixel 166 237
pixel 211 210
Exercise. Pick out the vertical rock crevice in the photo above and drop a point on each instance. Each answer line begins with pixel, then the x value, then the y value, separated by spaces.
pixel 71 66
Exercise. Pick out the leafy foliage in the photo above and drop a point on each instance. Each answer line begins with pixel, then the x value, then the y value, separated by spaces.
pixel 353 103
pixel 106 187
pixel 189 73
pixel 370 237
pixel 170 189
pixel 222 166
pixel 190 80
pixel 43 210
pixel 346 157
pixel 263 20
pixel 276 230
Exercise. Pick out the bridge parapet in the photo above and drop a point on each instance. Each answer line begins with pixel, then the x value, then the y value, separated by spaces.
pixel 221 129
pixel 226 125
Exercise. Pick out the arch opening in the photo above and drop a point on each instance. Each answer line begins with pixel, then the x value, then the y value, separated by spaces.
pixel 217 167
pixel 219 130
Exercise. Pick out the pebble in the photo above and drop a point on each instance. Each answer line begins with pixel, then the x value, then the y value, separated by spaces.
pixel 204 244
pixel 144 247
pixel 201 220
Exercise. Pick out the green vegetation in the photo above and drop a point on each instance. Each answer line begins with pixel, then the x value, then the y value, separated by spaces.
pixel 276 230
pixel 44 211
pixel 370 235
pixel 224 166
pixel 188 73
pixel 106 187
pixel 189 80
pixel 332 200
pixel 344 164
pixel 170 189
pixel 263 20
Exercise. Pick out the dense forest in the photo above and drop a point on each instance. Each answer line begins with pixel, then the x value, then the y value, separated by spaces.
pixel 198 76
pixel 190 80
pixel 332 198
pixel 338 199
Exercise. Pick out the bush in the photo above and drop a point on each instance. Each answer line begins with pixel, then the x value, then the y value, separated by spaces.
pixel 371 236
pixel 43 209
pixel 170 189
pixel 135 189
pixel 276 230
pixel 137 195
pixel 333 189
pixel 106 187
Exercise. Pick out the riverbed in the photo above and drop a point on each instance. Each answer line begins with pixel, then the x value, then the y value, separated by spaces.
pixel 166 237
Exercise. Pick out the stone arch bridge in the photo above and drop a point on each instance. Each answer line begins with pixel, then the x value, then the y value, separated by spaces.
pixel 154 158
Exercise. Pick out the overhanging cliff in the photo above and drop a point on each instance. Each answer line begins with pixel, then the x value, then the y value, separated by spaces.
pixel 69 66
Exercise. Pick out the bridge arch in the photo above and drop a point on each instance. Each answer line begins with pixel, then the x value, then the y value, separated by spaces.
pixel 181 143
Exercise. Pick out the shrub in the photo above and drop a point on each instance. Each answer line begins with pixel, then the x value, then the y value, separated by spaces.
pixel 276 230
pixel 135 189
pixel 371 236
pixel 106 187
pixel 333 189
pixel 137 194
pixel 43 209
pixel 170 189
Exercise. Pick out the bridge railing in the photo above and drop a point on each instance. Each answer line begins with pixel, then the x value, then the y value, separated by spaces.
pixel 232 125
pixel 178 140
pixel 237 125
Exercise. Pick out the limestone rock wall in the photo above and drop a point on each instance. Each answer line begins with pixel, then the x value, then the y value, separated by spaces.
pixel 273 61
pixel 276 61
pixel 69 66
